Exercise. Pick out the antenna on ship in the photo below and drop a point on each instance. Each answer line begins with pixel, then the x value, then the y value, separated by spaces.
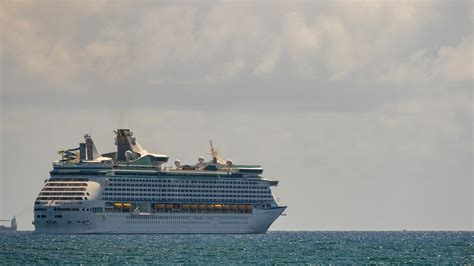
pixel 214 152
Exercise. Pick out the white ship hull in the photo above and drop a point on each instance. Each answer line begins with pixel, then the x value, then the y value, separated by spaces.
pixel 167 223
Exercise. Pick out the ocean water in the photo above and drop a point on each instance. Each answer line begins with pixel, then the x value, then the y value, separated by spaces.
pixel 273 247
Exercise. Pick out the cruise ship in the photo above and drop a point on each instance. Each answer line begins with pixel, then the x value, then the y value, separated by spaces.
pixel 133 191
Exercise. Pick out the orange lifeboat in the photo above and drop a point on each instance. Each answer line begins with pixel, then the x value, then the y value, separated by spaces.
pixel 126 206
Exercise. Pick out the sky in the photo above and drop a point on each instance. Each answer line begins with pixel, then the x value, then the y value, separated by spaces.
pixel 363 110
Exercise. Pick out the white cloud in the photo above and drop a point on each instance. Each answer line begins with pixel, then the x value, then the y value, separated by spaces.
pixel 321 41
pixel 105 49
pixel 269 60
pixel 227 70
pixel 340 56
pixel 449 64
pixel 303 40
pixel 456 63
pixel 164 35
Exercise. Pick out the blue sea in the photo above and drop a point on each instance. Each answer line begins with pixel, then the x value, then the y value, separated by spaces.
pixel 273 247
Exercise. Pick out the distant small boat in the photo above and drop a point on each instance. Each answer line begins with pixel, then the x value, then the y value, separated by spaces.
pixel 13 226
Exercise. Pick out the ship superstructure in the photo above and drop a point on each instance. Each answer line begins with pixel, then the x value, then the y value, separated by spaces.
pixel 132 191
pixel 13 226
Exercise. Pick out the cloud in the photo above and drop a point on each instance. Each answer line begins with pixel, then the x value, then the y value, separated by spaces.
pixel 105 49
pixel 303 40
pixel 456 63
pixel 112 42
pixel 227 70
pixel 449 64
pixel 269 60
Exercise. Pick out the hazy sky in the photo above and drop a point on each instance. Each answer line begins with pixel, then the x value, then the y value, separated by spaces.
pixel 362 110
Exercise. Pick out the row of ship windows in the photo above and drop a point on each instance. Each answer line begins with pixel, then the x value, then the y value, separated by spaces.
pixel 187 195
pixel 95 209
pixel 154 217
pixel 147 221
pixel 60 198
pixel 182 181
pixel 58 193
pixel 62 184
pixel 167 222
pixel 55 222
pixel 178 208
pixel 67 179
pixel 45 216
pixel 186 199
pixel 189 190
pixel 64 189
pixel 67 201
pixel 184 186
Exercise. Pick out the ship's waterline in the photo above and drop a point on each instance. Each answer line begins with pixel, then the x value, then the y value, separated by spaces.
pixel 131 191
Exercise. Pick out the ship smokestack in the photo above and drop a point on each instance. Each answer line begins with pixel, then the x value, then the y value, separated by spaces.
pixel 126 142
pixel 121 140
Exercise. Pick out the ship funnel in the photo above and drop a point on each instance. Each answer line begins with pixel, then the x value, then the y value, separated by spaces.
pixel 126 142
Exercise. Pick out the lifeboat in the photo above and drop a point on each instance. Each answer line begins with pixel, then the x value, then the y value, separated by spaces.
pixel 185 206
pixel 202 206
pixel 159 206
pixel 169 206
pixel 193 206
pixel 177 206
pixel 210 207
pixel 233 207
pixel 217 207
pixel 126 206
pixel 117 205
pixel 241 207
